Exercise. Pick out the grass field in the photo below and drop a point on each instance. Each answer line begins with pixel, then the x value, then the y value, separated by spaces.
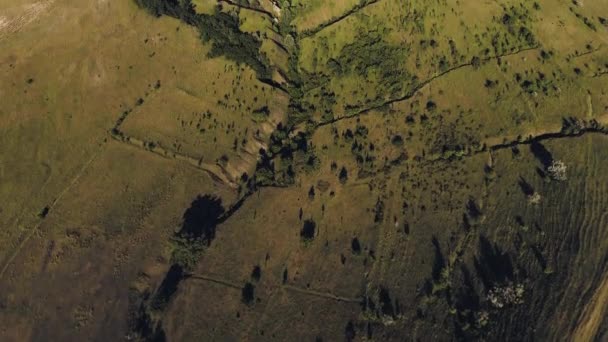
pixel 303 170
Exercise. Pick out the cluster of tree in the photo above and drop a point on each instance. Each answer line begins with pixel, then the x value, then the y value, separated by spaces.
pixel 182 9
pixel 286 154
pixel 370 53
pixel 540 83
pixel 515 20
pixel 198 230
pixel 221 28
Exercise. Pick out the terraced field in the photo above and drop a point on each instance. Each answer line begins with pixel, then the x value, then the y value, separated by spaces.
pixel 303 170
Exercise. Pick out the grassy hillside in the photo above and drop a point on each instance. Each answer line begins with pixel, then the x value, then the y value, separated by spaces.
pixel 303 170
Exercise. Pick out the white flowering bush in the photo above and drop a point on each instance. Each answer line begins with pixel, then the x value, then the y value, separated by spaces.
pixel 509 294
pixel 534 198
pixel 557 170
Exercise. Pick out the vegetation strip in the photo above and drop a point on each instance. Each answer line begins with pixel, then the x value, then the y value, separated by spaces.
pixel 216 171
pixel 363 4
pixel 420 86
pixel 269 14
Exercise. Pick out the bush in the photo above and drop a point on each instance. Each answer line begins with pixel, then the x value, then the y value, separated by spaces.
pixel 557 170
pixel 355 246
pixel 307 233
pixel 256 274
pixel 397 140
pixel 509 294
pixel 248 293
pixel 343 176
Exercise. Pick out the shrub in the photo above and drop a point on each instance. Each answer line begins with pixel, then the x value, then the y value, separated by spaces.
pixel 557 170
pixel 256 274
pixel 509 294
pixel 307 233
pixel 397 140
pixel 343 176
pixel 355 246
pixel 476 62
pixel 248 293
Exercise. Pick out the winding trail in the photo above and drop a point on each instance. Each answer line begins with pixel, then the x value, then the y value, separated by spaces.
pixel 297 289
pixel 215 280
pixel 320 294
pixel 595 312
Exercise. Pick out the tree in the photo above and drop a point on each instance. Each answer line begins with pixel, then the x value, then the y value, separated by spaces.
pixel 247 293
pixel 349 331
pixel 355 246
pixel 201 218
pixel 256 274
pixel 343 176
pixel 379 211
pixel 307 233
pixel 476 62
pixel 397 140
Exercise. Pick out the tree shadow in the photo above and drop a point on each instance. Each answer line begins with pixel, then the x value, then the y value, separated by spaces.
pixel 168 287
pixel 467 297
pixel 473 209
pixel 201 219
pixel 386 304
pixel 539 256
pixel 493 265
pixel 439 262
pixel 541 153
pixel 526 188
pixel 308 230
pixel 467 304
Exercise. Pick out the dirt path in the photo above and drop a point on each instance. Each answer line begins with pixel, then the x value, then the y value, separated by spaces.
pixel 319 294
pixel 215 280
pixel 594 314
pixel 231 284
